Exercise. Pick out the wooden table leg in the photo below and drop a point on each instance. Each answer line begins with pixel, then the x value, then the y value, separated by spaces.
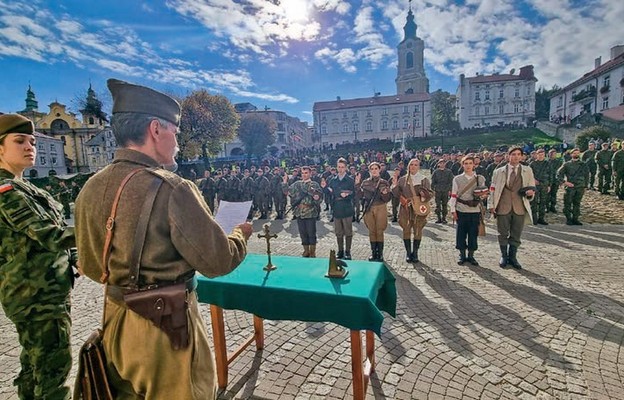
pixel 370 352
pixel 356 366
pixel 220 348
pixel 259 332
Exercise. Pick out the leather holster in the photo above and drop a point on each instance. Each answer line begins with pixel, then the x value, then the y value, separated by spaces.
pixel 166 307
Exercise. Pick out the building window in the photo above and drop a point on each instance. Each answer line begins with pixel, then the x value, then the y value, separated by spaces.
pixel 487 94
pixel 517 91
pixel 369 126
pixel 606 81
pixel 409 60
pixel 53 160
pixel 323 130
pixel 345 128
pixel 405 124
pixel 477 96
pixel 417 123
pixel 487 110
pixel 560 102
pixel 528 90
pixel 477 111
pixel 395 124
pixel 344 115
pixel 405 109
pixel 354 114
pixel 280 137
pixel 501 109
pixel 41 147
pixel 605 103
pixel 384 111
pixel 280 126
pixel 384 125
pixel 42 160
pixel 368 113
pixel 416 109
pixel 356 126
pixel 517 107
pixel 501 92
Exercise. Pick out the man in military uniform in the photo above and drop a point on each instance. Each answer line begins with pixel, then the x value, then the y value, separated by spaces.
pixel 35 272
pixel 603 162
pixel 588 157
pixel 208 188
pixel 262 191
pixel 555 163
pixel 305 199
pixel 542 175
pixel 489 170
pixel 181 238
pixel 574 175
pixel 279 198
pixel 441 184
pixel 617 164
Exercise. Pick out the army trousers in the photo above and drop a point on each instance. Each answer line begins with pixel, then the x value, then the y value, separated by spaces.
pixel 441 201
pixel 540 202
pixel 604 179
pixel 554 188
pixel 618 186
pixel 142 364
pixel 572 202
pixel 376 220
pixel 413 226
pixel 45 358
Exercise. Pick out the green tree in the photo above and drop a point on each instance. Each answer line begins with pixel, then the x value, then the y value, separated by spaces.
pixel 542 102
pixel 593 132
pixel 257 132
pixel 207 122
pixel 443 112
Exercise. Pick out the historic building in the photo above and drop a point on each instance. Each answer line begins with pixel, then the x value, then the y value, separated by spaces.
pixel 73 133
pixel 101 149
pixel 50 158
pixel 598 91
pixel 406 114
pixel 291 134
pixel 498 99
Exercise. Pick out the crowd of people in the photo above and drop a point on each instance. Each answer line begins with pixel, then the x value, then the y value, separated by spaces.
pixel 164 231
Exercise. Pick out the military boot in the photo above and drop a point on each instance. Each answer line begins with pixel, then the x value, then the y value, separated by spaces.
pixel 504 260
pixel 380 247
pixel 408 248
pixel 439 220
pixel 306 251
pixel 513 251
pixel 415 247
pixel 462 257
pixel 373 256
pixel 471 258
pixel 348 241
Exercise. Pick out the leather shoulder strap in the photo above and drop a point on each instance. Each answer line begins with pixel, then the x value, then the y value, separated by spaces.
pixel 110 226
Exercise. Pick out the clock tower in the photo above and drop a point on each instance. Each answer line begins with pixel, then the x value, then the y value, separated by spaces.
pixel 411 77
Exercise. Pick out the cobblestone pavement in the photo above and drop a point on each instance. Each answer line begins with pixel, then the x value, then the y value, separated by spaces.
pixel 552 330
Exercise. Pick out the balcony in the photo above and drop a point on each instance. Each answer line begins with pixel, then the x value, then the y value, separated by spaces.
pixel 585 94
pixel 604 89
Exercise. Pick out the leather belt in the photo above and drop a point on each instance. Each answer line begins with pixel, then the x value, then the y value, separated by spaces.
pixel 117 292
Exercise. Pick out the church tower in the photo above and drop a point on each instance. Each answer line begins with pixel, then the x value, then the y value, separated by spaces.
pixel 411 76
pixel 92 114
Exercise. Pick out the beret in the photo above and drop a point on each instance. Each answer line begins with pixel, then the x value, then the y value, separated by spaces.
pixel 131 98
pixel 15 123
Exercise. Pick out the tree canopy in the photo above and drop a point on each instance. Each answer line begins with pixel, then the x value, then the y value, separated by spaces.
pixel 593 132
pixel 443 112
pixel 542 102
pixel 257 132
pixel 207 122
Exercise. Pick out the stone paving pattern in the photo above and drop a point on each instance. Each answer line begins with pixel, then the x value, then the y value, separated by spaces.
pixel 553 330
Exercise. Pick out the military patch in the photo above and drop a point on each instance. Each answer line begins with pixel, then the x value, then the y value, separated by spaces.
pixel 6 187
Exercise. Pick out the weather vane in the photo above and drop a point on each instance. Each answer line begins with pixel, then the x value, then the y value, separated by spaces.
pixel 268 236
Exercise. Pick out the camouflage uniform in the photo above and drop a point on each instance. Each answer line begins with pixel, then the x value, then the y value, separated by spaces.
pixel 279 198
pixel 603 161
pixel 262 188
pixel 542 174
pixel 617 164
pixel 555 164
pixel 576 172
pixel 35 281
pixel 588 157
pixel 441 184
pixel 208 188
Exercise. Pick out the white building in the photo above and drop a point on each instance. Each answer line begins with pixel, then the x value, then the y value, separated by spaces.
pixel 595 92
pixel 406 114
pixel 101 149
pixel 498 99
pixel 50 158
pixel 291 134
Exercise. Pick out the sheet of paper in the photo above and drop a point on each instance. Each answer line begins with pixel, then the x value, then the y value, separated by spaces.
pixel 230 214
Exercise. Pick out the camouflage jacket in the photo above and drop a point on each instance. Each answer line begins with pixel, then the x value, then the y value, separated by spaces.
pixel 617 162
pixel 35 278
pixel 576 172
pixel 541 172
pixel 554 165
pixel 603 158
pixel 262 186
pixel 442 180
pixel 588 157
pixel 301 196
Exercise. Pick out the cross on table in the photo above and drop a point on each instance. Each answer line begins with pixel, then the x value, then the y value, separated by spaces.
pixel 268 236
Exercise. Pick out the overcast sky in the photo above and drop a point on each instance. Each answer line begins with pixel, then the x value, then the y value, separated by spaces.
pixel 287 54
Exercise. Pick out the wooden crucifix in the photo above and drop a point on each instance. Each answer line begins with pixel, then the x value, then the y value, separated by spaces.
pixel 268 236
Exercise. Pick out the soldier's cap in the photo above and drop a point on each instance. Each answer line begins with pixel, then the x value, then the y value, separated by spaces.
pixel 15 123
pixel 131 98
pixel 540 151
pixel 605 144
pixel 552 151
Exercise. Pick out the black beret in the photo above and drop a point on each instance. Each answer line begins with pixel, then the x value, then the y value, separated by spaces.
pixel 130 98
pixel 15 123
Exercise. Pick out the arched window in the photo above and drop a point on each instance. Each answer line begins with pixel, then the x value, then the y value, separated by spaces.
pixel 369 126
pixel 409 60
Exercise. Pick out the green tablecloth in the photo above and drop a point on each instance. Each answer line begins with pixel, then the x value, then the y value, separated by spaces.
pixel 298 290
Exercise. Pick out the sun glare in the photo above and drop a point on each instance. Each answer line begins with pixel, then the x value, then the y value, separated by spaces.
pixel 295 10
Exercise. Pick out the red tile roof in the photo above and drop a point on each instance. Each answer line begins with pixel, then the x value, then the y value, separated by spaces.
pixel 494 78
pixel 615 113
pixel 370 101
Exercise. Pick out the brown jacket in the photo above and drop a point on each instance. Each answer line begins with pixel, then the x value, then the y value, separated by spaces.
pixel 182 236
pixel 403 189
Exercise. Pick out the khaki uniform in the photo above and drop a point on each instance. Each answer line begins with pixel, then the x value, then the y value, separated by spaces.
pixel 408 220
pixel 182 238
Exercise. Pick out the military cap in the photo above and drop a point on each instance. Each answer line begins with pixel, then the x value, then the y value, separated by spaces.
pixel 130 98
pixel 15 123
